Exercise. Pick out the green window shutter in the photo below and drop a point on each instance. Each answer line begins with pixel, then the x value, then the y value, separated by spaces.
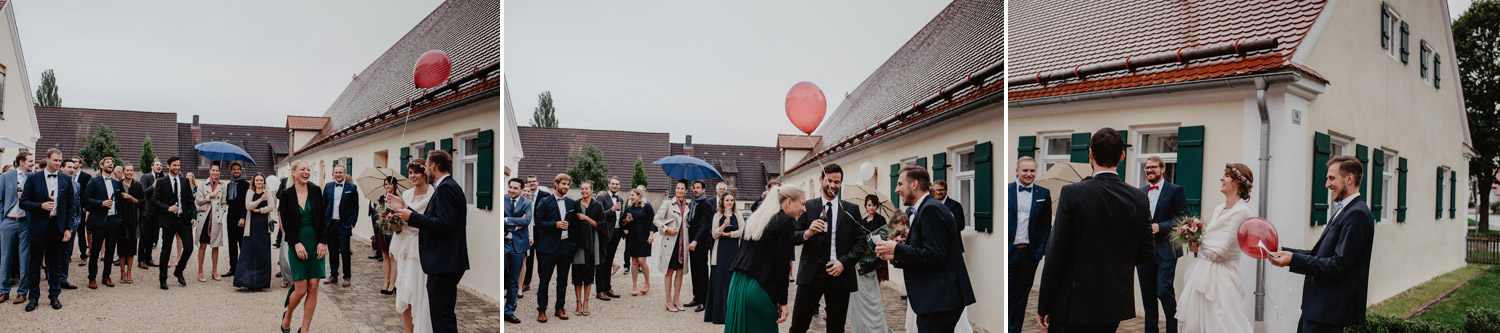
pixel 984 188
pixel 1322 151
pixel 427 148
pixel 1385 31
pixel 1362 154
pixel 405 158
pixel 1079 148
pixel 1377 183
pixel 1437 70
pixel 1439 189
pixel 349 165
pixel 922 162
pixel 1452 194
pixel 895 175
pixel 446 145
pixel 1405 42
pixel 1027 147
pixel 485 196
pixel 1401 191
pixel 1120 169
pixel 940 166
pixel 1190 166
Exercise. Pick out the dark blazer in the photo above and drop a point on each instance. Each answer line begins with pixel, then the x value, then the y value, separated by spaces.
pixel 958 212
pixel 291 214
pixel 1171 205
pixel 701 220
pixel 444 240
pixel 548 237
pixel 83 179
pixel 34 194
pixel 930 261
pixel 517 224
pixel 348 205
pixel 93 200
pixel 536 200
pixel 765 260
pixel 148 183
pixel 1039 227
pixel 606 227
pixel 1100 234
pixel 850 242
pixel 236 203
pixel 132 211
pixel 165 200
pixel 1338 268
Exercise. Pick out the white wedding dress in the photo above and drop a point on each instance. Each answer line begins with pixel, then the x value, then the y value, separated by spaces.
pixel 411 281
pixel 1212 297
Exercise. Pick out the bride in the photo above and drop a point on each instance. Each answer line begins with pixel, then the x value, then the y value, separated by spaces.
pixel 1212 299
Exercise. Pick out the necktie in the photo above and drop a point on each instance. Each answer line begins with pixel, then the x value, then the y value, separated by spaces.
pixel 832 248
pixel 1023 189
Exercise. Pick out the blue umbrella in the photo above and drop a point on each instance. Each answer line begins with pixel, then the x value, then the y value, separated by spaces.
pixel 223 151
pixel 687 167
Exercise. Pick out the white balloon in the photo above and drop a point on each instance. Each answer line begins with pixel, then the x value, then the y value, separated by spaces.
pixel 866 170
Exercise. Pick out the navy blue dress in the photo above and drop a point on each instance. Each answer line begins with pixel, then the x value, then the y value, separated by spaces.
pixel 254 269
pixel 725 250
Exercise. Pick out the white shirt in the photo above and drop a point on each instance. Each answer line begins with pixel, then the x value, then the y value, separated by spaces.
pixel 1023 213
pixel 615 198
pixel 912 218
pixel 1096 174
pixel 1152 195
pixel 15 213
pixel 833 226
pixel 338 196
pixel 1342 205
pixel 562 211
pixel 51 190
pixel 109 189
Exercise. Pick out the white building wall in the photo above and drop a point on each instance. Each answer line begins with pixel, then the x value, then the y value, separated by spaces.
pixel 19 119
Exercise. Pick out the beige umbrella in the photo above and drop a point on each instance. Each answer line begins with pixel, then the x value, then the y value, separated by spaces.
pixel 856 193
pixel 1061 174
pixel 372 182
pixel 8 143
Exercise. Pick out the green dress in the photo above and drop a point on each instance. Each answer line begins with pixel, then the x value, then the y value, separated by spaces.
pixel 312 267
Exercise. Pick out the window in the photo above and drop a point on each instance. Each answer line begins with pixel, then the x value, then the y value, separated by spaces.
pixel 382 160
pixel 467 164
pixel 1390 25
pixel 2 91
pixel 1054 150
pixel 1388 178
pixel 1160 143
pixel 1341 147
pixel 419 150
pixel 1426 61
pixel 963 189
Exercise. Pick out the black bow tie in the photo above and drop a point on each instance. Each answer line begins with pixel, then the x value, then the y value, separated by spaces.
pixel 1023 189
pixel 52 176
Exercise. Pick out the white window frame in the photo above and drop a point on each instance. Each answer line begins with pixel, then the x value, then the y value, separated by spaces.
pixel 1043 158
pixel 1393 25
pixel 1140 152
pixel 959 176
pixel 1388 190
pixel 462 162
pixel 1442 187
pixel 1427 66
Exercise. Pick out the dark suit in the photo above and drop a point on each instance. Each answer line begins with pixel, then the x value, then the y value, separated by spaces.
pixel 609 238
pixel 1100 233
pixel 340 229
pixel 517 242
pixel 148 226
pixel 444 247
pixel 936 276
pixel 178 224
pixel 530 264
pixel 1024 259
pixel 46 231
pixel 103 225
pixel 553 254
pixel 698 230
pixel 236 212
pixel 83 179
pixel 813 281
pixel 958 212
pixel 1337 270
pixel 1156 276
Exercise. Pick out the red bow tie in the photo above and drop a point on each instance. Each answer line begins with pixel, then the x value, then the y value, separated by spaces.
pixel 1153 188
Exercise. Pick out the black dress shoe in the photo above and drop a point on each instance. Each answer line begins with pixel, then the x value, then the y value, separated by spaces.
pixel 56 304
pixel 231 273
pixel 181 281
pixel 31 306
pixel 693 303
pixel 699 309
pixel 376 256
pixel 510 318
pixel 69 286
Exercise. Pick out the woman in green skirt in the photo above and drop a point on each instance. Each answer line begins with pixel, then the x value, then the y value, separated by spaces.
pixel 758 284
pixel 302 217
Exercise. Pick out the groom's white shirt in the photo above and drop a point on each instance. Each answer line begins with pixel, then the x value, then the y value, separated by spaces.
pixel 1023 213
pixel 1343 204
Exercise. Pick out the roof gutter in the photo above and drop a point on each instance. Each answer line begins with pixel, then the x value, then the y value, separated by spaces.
pixel 466 100
pixel 1169 88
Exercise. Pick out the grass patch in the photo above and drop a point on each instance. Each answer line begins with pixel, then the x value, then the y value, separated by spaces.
pixel 1416 296
pixel 1472 222
pixel 1482 291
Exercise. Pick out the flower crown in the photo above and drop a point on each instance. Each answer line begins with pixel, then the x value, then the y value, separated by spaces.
pixel 1239 176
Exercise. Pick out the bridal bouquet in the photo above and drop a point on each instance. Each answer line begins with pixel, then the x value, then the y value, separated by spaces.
pixel 387 219
pixel 1187 231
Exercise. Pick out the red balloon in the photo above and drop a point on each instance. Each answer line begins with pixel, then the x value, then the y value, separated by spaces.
pixel 432 69
pixel 1254 232
pixel 805 106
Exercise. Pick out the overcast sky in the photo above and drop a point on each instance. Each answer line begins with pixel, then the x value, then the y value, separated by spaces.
pixel 233 62
pixel 716 70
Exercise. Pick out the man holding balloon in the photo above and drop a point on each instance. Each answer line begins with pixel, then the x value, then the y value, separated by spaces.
pixel 1338 266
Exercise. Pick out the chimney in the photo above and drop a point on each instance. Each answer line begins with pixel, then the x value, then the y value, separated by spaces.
pixel 687 147
pixel 195 121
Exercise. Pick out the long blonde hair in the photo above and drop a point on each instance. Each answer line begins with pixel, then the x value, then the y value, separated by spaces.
pixel 755 226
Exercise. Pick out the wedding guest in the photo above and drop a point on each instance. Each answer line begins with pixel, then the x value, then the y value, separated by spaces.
pixel 254 271
pixel 639 236
pixel 757 293
pixel 150 231
pixel 700 216
pixel 610 233
pixel 672 221
pixel 554 249
pixel 411 280
pixel 866 309
pixel 15 234
pixel 131 204
pixel 1029 224
pixel 443 239
pixel 1167 203
pixel 104 217
pixel 533 193
pixel 586 245
pixel 342 199
pixel 44 198
pixel 1083 289
pixel 174 211
pixel 517 242
pixel 383 243
pixel 238 187
pixel 283 249
pixel 725 248
pixel 1338 266
pixel 212 216
pixel 832 242
pixel 940 192
pixel 301 209
pixel 75 218
pixel 193 218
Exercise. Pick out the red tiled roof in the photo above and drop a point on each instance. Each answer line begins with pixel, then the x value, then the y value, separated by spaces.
pixel 748 163
pixel 306 123
pixel 63 128
pixel 547 151
pixel 794 141
pixel 1050 35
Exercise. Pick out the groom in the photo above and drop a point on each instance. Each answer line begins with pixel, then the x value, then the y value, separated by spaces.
pixel 1338 266
pixel 1100 232
pixel 443 242
pixel 1167 203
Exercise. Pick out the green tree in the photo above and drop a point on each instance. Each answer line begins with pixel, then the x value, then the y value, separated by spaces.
pixel 148 155
pixel 639 178
pixel 1476 37
pixel 99 145
pixel 46 95
pixel 545 115
pixel 588 165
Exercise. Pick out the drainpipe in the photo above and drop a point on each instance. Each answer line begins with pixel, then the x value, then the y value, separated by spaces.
pixel 1265 170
